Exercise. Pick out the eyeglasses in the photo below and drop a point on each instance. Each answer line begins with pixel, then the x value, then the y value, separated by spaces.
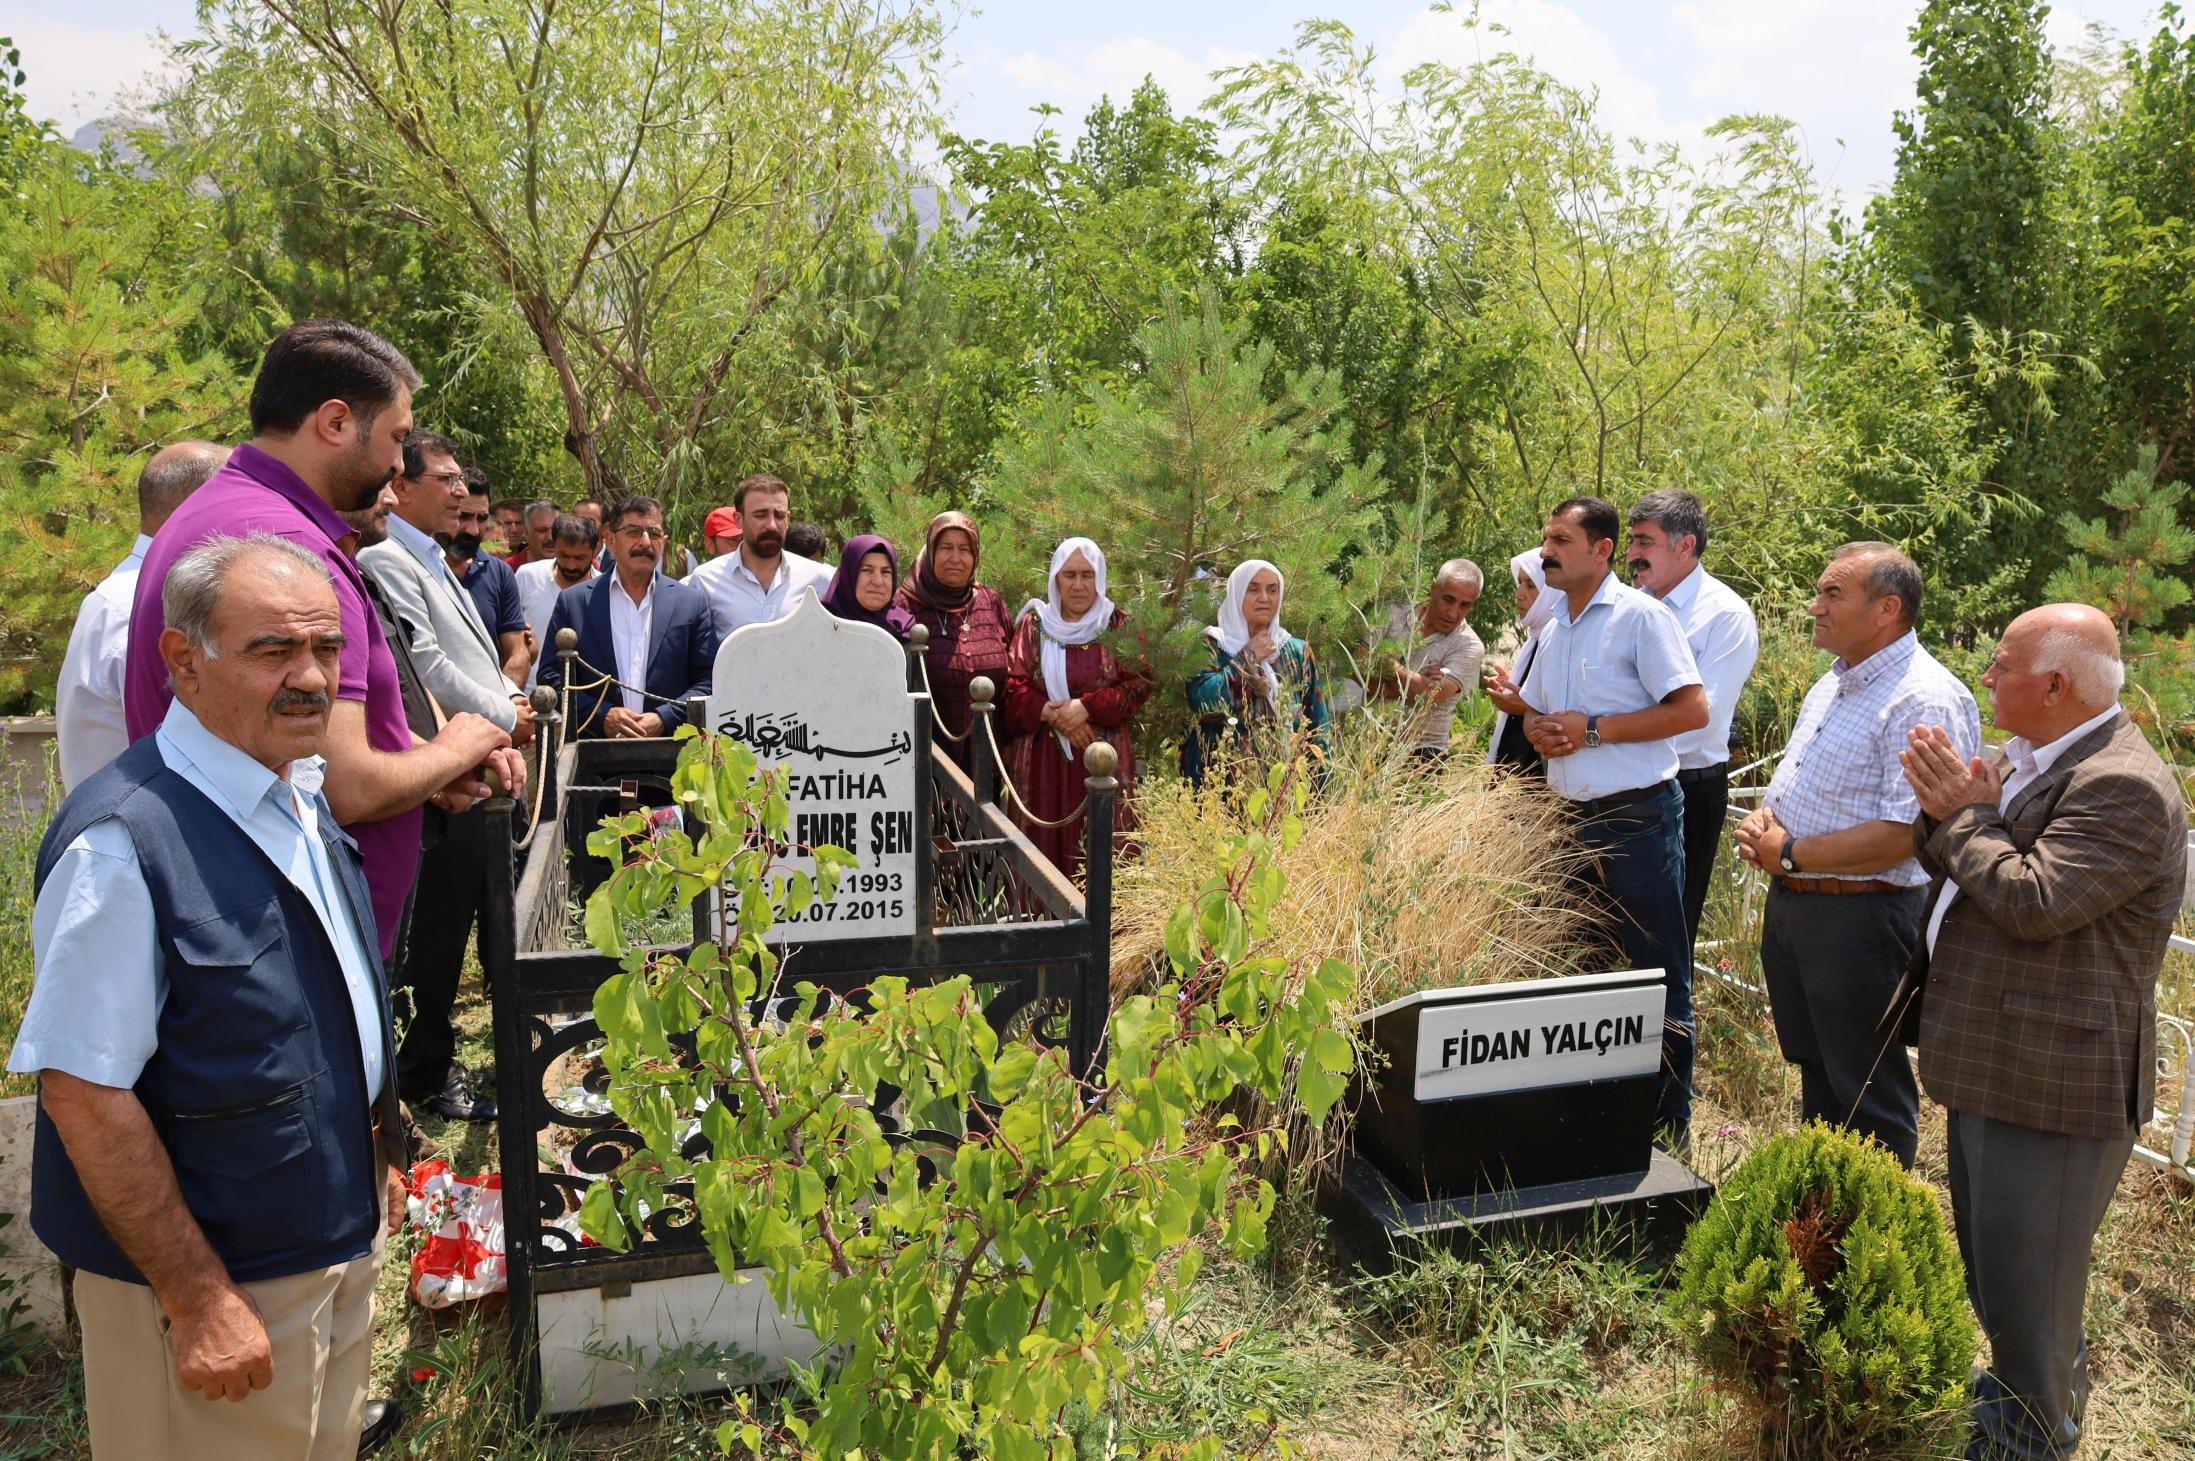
pixel 447 479
pixel 652 535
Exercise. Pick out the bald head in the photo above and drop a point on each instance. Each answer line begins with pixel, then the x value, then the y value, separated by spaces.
pixel 2056 667
pixel 174 473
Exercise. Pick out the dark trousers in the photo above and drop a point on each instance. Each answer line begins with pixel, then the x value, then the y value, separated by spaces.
pixel 446 903
pixel 1636 880
pixel 1832 962
pixel 2027 1205
pixel 1706 828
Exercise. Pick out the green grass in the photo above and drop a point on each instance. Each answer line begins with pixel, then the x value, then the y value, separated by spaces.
pixel 1520 1352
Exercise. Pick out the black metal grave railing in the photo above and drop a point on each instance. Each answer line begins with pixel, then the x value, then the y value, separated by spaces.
pixel 988 905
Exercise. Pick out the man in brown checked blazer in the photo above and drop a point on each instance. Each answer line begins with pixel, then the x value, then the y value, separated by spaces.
pixel 2059 864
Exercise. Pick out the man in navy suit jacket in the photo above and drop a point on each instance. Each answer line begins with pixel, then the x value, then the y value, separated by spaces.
pixel 651 633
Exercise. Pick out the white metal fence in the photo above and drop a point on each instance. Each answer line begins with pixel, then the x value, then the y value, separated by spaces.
pixel 2175 1034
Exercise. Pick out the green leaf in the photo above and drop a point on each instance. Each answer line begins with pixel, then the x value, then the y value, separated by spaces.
pixel 1332 1050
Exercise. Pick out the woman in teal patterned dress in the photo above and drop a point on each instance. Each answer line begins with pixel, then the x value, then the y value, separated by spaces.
pixel 1261 678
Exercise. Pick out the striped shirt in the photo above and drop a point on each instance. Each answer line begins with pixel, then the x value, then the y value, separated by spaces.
pixel 1840 767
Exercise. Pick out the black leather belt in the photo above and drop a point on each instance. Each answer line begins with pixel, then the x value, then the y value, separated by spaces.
pixel 1616 801
pixel 1720 771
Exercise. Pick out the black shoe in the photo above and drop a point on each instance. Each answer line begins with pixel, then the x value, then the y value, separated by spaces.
pixel 379 1425
pixel 457 1101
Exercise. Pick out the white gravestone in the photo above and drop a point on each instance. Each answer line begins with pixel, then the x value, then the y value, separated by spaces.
pixel 827 699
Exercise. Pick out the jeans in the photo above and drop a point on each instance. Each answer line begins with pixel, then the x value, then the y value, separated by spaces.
pixel 1636 883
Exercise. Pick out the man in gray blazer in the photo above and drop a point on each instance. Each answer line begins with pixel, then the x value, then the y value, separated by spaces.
pixel 460 668
pixel 2058 865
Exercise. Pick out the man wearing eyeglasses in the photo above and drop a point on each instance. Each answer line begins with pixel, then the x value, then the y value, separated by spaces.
pixel 491 583
pixel 462 669
pixel 651 634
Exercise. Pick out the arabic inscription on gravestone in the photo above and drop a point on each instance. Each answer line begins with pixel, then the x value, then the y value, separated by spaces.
pixel 827 700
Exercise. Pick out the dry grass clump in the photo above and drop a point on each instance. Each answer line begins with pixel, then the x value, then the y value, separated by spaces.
pixel 1415 879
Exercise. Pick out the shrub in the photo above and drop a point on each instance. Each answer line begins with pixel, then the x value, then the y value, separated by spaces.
pixel 1823 1277
pixel 976 1279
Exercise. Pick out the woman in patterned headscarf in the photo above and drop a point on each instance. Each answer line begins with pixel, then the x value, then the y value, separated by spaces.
pixel 1261 675
pixel 968 624
pixel 1066 689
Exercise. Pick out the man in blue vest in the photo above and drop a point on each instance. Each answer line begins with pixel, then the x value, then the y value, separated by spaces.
pixel 218 1138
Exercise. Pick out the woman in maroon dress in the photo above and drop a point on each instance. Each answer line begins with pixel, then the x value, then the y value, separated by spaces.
pixel 1064 690
pixel 968 625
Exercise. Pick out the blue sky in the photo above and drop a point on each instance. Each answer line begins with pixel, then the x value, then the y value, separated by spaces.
pixel 1665 68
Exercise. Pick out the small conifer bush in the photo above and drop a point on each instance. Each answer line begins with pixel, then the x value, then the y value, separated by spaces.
pixel 1823 1278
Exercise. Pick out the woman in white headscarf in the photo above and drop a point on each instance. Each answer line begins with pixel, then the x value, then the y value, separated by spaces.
pixel 1065 688
pixel 1260 674
pixel 1535 607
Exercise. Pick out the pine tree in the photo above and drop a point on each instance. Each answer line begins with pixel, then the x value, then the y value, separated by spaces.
pixel 2124 567
pixel 1186 470
pixel 94 377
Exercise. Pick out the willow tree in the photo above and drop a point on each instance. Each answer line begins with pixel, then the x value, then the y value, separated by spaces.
pixel 1606 316
pixel 643 182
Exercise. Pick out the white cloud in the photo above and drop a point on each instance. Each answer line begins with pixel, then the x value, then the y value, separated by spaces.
pixel 74 72
pixel 1115 69
pixel 1557 40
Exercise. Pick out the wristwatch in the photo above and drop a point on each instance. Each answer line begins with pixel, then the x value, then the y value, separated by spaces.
pixel 1592 732
pixel 1789 863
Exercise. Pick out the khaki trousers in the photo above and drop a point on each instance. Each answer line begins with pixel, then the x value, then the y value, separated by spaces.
pixel 320 1325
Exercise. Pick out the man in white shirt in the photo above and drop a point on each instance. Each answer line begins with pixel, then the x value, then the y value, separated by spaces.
pixel 1834 834
pixel 651 636
pixel 1668 536
pixel 1611 688
pixel 570 563
pixel 761 583
pixel 88 700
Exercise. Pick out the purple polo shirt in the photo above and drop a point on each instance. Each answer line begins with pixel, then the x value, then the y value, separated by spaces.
pixel 256 493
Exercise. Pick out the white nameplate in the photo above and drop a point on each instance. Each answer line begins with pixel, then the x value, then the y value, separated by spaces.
pixel 827 700
pixel 1479 1046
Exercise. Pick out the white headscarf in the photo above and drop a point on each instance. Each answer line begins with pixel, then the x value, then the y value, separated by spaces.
pixel 1061 631
pixel 1533 619
pixel 1232 632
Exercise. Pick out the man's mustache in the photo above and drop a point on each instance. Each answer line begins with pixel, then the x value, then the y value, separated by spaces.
pixel 1550 564
pixel 1640 565
pixel 287 700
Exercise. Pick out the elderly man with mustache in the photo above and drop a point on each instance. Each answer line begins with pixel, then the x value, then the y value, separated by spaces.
pixel 218 1139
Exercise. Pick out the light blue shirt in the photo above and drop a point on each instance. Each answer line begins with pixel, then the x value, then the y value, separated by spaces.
pixel 100 978
pixel 1626 651
pixel 429 552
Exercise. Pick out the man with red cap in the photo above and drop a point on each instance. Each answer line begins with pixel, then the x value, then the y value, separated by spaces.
pixel 720 532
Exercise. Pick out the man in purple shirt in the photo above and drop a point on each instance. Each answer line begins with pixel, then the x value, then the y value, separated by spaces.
pixel 329 411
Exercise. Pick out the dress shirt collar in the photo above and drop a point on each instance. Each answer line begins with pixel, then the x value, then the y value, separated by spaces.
pixel 1891 658
pixel 240 782
pixel 2029 758
pixel 418 544
pixel 1687 592
pixel 625 595
pixel 277 477
pixel 1601 595
pixel 739 566
pixel 138 550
